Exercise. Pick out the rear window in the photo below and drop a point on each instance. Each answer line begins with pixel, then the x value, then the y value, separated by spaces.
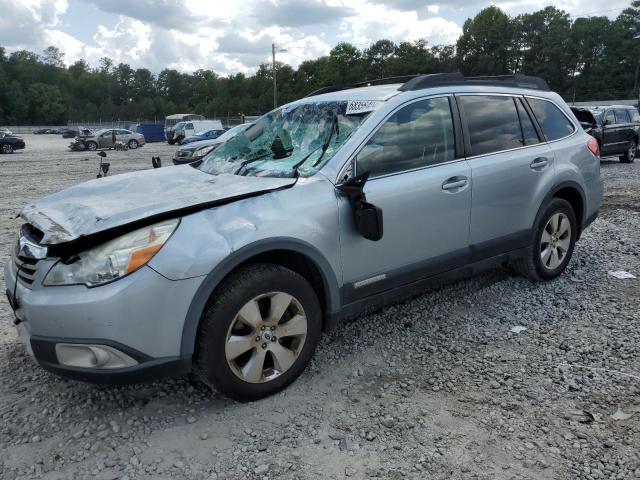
pixel 552 121
pixel 493 123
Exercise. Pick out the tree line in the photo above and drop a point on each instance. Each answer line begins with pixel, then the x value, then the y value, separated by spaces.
pixel 589 58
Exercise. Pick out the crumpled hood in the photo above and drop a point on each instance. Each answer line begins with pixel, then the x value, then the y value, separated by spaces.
pixel 106 203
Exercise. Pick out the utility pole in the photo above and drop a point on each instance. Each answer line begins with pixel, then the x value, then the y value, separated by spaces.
pixel 273 72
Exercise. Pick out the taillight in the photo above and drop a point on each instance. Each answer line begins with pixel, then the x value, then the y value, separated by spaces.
pixel 593 147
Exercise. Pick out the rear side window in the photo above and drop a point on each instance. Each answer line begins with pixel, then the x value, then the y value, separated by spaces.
pixel 418 135
pixel 529 135
pixel 622 116
pixel 552 121
pixel 493 123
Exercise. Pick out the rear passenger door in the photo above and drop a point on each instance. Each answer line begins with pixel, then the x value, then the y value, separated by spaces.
pixel 626 131
pixel 511 167
pixel 420 180
pixel 611 142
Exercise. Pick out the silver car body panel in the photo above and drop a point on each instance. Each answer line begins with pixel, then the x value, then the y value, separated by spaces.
pixel 427 230
pixel 101 204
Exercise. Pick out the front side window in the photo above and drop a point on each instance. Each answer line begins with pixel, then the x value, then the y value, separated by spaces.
pixel 294 139
pixel 493 123
pixel 552 121
pixel 418 135
pixel 609 118
pixel 189 126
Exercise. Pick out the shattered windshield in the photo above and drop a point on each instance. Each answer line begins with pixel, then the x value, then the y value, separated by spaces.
pixel 298 138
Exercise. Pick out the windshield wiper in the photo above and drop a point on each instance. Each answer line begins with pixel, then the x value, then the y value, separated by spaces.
pixel 251 160
pixel 325 147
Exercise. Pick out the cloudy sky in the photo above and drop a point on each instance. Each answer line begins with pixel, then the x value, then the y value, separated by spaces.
pixel 235 36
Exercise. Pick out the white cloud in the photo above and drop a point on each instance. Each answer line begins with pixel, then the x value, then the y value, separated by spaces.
pixel 377 21
pixel 231 37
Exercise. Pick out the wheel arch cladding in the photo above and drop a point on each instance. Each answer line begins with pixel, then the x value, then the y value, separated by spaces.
pixel 572 193
pixel 299 256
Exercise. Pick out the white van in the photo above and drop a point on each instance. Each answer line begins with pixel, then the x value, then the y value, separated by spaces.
pixel 171 120
pixel 186 129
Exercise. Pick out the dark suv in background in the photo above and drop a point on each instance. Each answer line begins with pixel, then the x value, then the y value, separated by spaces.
pixel 616 127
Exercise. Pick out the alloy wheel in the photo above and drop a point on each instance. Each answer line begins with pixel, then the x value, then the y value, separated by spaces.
pixel 133 144
pixel 631 155
pixel 555 241
pixel 266 337
pixel 6 148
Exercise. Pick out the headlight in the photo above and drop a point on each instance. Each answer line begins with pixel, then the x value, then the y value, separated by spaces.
pixel 201 152
pixel 114 259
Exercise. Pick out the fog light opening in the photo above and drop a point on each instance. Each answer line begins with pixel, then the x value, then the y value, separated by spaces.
pixel 92 356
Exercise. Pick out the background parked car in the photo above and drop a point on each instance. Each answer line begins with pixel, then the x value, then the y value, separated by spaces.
pixel 186 129
pixel 616 127
pixel 10 142
pixel 196 151
pixel 71 132
pixel 43 131
pixel 204 135
pixel 104 139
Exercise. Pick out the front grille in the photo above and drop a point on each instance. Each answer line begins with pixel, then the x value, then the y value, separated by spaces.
pixel 25 267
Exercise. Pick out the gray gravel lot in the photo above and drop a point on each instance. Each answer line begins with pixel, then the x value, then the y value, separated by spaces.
pixel 435 387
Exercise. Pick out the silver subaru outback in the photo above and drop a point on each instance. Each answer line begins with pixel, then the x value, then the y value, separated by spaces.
pixel 349 198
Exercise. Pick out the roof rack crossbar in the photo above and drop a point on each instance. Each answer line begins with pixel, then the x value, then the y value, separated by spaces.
pixel 444 79
pixel 419 82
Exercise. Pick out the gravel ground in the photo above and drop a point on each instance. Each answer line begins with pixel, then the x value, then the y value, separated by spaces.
pixel 435 387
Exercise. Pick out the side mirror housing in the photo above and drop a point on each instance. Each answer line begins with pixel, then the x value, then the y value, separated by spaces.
pixel 367 217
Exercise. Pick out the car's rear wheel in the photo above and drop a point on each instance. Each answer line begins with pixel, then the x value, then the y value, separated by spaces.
pixel 258 333
pixel 133 144
pixel 6 148
pixel 555 237
pixel 630 155
pixel 92 146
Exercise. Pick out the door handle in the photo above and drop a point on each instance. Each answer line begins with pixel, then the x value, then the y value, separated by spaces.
pixel 539 163
pixel 454 183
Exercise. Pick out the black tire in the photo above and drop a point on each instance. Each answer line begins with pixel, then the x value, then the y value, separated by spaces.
pixel 210 362
pixel 6 148
pixel 179 139
pixel 630 155
pixel 91 146
pixel 171 142
pixel 531 265
pixel 133 144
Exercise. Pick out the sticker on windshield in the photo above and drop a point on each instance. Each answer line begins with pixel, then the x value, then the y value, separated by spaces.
pixel 361 106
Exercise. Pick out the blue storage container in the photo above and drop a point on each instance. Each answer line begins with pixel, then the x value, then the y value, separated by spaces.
pixel 153 132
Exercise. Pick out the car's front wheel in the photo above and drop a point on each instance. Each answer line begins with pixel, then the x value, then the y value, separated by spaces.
pixel 91 146
pixel 555 237
pixel 6 148
pixel 258 332
pixel 133 144
pixel 630 155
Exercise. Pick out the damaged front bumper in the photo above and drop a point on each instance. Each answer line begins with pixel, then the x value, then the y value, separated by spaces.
pixel 123 332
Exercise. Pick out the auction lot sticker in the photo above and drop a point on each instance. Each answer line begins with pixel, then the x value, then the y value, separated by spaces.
pixel 361 106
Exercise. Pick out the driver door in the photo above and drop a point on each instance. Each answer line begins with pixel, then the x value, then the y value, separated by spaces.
pixel 421 183
pixel 105 140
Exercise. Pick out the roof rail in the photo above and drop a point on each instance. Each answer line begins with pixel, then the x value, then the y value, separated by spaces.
pixel 366 83
pixel 420 82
